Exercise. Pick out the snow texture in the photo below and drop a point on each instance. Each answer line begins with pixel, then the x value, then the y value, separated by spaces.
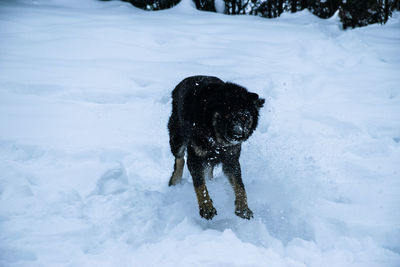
pixel 84 154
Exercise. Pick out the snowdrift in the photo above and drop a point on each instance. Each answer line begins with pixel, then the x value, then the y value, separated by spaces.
pixel 84 155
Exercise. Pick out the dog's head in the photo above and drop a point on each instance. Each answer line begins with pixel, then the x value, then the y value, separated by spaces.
pixel 236 116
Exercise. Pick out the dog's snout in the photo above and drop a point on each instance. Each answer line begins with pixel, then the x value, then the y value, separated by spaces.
pixel 238 130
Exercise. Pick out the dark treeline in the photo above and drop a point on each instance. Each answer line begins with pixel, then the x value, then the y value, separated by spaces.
pixel 352 13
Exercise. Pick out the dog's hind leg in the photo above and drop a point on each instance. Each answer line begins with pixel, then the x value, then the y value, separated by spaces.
pixel 178 147
pixel 179 153
pixel 176 176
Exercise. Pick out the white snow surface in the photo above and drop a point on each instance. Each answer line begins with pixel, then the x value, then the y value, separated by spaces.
pixel 84 155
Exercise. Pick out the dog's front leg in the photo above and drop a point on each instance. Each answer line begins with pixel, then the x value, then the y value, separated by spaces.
pixel 231 168
pixel 196 167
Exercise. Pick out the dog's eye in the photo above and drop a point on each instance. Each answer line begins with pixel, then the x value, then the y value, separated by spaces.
pixel 227 116
pixel 243 118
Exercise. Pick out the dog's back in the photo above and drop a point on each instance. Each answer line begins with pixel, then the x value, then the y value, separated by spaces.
pixel 185 104
pixel 190 85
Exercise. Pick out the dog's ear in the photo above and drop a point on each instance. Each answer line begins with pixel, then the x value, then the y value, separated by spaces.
pixel 260 103
pixel 257 101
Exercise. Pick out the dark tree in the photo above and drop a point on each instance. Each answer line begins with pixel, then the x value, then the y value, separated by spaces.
pixel 296 5
pixel 291 5
pixel 270 8
pixel 358 13
pixel 386 10
pixel 153 4
pixel 304 4
pixel 235 7
pixel 396 5
pixel 324 9
pixel 206 5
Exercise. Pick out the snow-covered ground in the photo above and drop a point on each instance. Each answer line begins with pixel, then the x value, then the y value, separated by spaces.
pixel 84 155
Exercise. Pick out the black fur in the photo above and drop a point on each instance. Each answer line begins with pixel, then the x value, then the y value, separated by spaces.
pixel 210 119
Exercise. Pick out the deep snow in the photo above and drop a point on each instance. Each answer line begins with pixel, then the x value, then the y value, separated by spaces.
pixel 84 155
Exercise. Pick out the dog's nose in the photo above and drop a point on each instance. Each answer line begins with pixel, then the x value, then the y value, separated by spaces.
pixel 237 130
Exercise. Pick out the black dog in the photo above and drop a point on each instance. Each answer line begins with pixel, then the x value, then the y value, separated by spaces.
pixel 210 119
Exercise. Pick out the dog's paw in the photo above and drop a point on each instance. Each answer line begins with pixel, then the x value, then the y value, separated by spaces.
pixel 207 211
pixel 244 213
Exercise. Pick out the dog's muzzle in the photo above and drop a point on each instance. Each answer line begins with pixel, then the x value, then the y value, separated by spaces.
pixel 238 131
